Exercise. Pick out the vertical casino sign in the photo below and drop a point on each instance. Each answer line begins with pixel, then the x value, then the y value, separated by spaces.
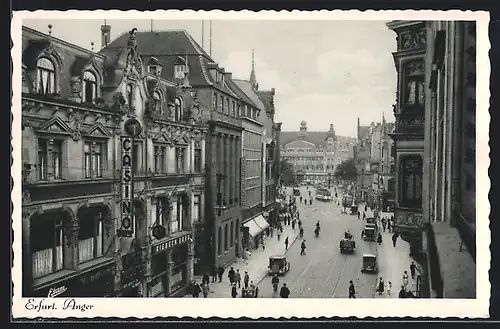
pixel 133 128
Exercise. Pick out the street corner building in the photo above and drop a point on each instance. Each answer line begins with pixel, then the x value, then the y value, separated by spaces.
pixel 315 154
pixel 113 152
pixel 435 141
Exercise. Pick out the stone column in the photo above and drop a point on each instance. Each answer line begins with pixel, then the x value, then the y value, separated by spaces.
pixel 203 155
pixel 71 259
pixel 191 156
pixel 189 263
pixel 187 159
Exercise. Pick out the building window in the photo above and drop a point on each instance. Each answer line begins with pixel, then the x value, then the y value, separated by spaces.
pixel 215 102
pixel 231 235
pixel 162 212
pixel 411 181
pixel 89 234
pixel 160 153
pixel 50 159
pixel 226 110
pixel 197 160
pixel 93 158
pixel 175 216
pixel 47 243
pixel 153 69
pixel 221 104
pixel 89 87
pixel 415 91
pixel 130 97
pixel 46 76
pixel 225 238
pixel 219 241
pixel 157 102
pixel 196 208
pixel 178 109
pixel 179 159
pixel 233 112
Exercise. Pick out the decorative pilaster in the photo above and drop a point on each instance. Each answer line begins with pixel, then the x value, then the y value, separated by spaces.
pixel 70 256
pixel 191 157
pixel 203 155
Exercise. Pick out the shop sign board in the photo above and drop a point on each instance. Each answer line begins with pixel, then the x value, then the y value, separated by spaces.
pixel 126 180
pixel 169 244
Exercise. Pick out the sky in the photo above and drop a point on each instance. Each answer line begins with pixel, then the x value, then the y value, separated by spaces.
pixel 324 72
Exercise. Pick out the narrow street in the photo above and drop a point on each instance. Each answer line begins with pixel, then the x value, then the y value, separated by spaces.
pixel 324 272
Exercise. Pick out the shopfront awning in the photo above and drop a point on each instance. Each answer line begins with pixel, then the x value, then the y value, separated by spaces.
pixel 253 228
pixel 262 222
pixel 256 225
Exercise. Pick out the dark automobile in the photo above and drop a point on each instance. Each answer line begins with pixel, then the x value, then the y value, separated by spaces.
pixel 369 264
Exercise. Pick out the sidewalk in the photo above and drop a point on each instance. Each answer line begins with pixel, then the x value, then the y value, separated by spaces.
pixel 256 265
pixel 393 261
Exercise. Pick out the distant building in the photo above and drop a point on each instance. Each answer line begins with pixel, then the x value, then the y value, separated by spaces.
pixel 315 154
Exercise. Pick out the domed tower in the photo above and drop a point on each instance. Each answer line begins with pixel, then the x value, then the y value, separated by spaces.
pixel 303 130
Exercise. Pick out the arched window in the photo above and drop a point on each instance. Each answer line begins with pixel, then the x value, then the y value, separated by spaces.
pixel 178 109
pixel 231 234
pixel 130 96
pixel 225 238
pixel 89 87
pixel 46 76
pixel 219 241
pixel 157 102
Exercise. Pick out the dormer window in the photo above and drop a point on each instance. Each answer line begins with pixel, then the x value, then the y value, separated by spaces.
pixel 154 70
pixel 180 68
pixel 89 87
pixel 178 109
pixel 46 76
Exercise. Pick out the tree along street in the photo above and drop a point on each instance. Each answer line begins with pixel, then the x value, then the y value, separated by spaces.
pixel 324 272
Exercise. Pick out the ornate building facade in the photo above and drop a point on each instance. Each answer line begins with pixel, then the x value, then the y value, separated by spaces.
pixel 315 154
pixel 435 142
pixel 75 153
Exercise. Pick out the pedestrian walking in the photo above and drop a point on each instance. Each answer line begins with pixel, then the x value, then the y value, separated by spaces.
pixel 205 289
pixel 405 279
pixel 301 232
pixel 359 215
pixel 205 279
pixel 286 243
pixel 234 292
pixel 293 224
pixel 196 290
pixel 246 279
pixel 214 273
pixel 310 202
pixel 300 224
pixel 413 269
pixel 364 215
pixel 305 201
pixel 237 278
pixel 389 288
pixel 389 225
pixel 303 247
pixel 402 292
pixel 279 235
pixel 379 238
pixel 394 239
pixel 301 199
pixel 284 292
pixel 380 287
pixel 384 222
pixel 352 290
pixel 230 275
pixel 220 272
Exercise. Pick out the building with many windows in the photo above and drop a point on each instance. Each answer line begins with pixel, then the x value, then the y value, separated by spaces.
pixel 315 154
pixel 435 158
pixel 74 103
pixel 182 59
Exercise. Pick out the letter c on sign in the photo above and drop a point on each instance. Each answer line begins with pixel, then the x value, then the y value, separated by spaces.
pixel 126 144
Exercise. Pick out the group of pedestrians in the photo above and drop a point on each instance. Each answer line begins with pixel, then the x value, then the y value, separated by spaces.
pixel 284 291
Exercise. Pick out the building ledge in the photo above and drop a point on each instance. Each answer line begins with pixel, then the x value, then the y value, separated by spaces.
pixel 458 269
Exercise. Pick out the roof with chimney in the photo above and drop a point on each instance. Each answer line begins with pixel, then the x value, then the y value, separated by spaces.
pixel 171 47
